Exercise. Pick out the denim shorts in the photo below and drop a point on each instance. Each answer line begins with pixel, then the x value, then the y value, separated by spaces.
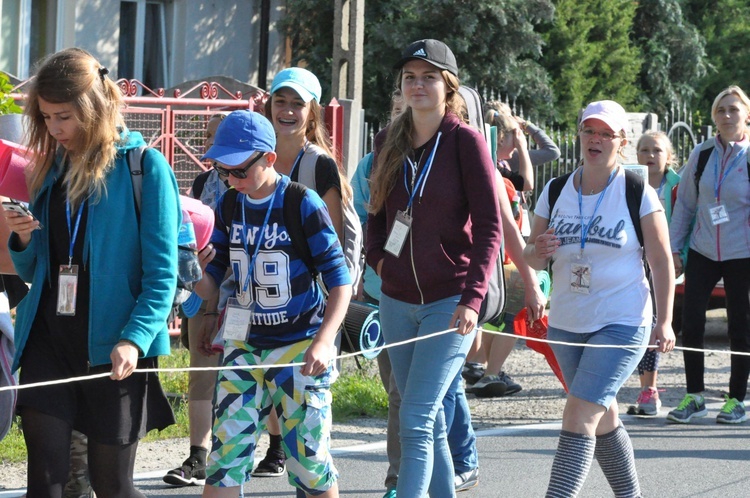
pixel 596 374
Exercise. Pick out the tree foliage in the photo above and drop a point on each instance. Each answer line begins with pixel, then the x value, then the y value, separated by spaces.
pixel 551 57
pixel 495 43
pixel 673 52
pixel 589 55
pixel 723 24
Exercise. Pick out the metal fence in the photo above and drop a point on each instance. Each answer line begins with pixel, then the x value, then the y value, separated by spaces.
pixel 684 134
pixel 176 125
pixel 677 124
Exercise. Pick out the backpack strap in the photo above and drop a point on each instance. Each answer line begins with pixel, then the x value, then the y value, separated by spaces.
pixel 634 185
pixel 134 157
pixel 555 188
pixel 293 196
pixel 707 148
pixel 228 203
pixel 292 210
pixel 308 166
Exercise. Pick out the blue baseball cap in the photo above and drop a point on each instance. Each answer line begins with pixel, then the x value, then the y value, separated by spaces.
pixel 300 80
pixel 239 136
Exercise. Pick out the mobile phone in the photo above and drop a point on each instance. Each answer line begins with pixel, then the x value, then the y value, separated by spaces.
pixel 17 207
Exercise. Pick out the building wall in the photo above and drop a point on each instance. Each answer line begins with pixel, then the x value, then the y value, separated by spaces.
pixel 205 38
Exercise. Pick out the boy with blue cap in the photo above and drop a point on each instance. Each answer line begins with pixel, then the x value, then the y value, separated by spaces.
pixel 276 315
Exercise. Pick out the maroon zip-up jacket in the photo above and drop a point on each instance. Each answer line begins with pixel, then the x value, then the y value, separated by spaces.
pixel 455 234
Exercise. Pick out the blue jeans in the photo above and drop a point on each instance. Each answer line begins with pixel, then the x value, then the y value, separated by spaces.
pixel 461 438
pixel 424 371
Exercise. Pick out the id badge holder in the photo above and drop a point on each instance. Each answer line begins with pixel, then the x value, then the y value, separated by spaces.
pixel 400 230
pixel 67 290
pixel 237 320
pixel 580 274
pixel 718 212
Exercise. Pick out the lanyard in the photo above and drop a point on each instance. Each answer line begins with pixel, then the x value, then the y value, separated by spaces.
pixel 297 161
pixel 74 234
pixel 251 265
pixel 661 185
pixel 718 180
pixel 422 179
pixel 585 227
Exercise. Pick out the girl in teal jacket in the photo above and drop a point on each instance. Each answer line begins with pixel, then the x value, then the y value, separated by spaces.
pixel 655 151
pixel 103 279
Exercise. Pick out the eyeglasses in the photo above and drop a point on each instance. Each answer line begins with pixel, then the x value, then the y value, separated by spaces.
pixel 605 135
pixel 240 173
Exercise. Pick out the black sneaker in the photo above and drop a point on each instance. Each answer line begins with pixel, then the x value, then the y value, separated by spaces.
pixel 192 473
pixel 472 372
pixel 512 386
pixel 489 386
pixel 273 465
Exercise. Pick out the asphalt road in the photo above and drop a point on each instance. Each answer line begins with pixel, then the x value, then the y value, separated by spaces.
pixel 702 459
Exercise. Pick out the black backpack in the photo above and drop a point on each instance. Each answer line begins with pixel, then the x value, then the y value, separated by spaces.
pixel 292 210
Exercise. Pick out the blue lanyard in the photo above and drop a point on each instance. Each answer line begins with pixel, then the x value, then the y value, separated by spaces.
pixel 719 180
pixel 258 241
pixel 297 161
pixel 661 186
pixel 585 227
pixel 422 179
pixel 73 235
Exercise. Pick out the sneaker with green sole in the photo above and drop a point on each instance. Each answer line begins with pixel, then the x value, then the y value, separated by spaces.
pixel 692 405
pixel 391 493
pixel 733 412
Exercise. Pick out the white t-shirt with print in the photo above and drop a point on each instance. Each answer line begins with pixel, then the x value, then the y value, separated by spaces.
pixel 619 290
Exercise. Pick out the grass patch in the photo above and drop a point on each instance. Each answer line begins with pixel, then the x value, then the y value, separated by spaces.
pixel 359 394
pixel 175 384
pixel 13 447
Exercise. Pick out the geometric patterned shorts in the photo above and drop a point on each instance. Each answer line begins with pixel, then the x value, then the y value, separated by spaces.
pixel 244 398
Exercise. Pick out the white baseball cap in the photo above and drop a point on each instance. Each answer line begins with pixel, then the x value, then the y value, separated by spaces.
pixel 608 111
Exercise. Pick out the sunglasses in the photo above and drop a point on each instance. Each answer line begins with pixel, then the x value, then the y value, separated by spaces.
pixel 240 173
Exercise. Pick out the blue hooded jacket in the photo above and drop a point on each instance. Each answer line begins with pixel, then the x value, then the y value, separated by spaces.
pixel 133 272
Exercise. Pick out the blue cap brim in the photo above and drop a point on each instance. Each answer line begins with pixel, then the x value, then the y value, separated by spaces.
pixel 303 92
pixel 227 155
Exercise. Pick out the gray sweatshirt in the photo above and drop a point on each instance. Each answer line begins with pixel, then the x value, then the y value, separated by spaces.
pixel 546 152
pixel 730 240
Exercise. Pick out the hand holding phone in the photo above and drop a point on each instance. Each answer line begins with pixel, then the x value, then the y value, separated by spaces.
pixel 17 207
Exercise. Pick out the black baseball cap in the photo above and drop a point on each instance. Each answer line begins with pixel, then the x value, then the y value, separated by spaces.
pixel 435 52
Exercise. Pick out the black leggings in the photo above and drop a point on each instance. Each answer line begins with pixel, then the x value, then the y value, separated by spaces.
pixel 48 445
pixel 701 276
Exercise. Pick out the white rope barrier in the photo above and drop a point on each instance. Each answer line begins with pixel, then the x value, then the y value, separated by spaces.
pixel 358 353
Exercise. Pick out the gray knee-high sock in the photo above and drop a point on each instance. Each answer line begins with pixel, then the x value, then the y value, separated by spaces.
pixel 571 464
pixel 614 452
